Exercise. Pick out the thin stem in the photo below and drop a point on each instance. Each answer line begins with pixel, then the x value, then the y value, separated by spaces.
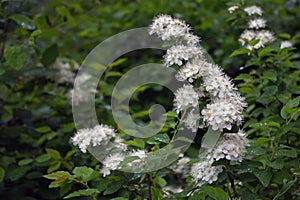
pixel 149 186
pixel 231 180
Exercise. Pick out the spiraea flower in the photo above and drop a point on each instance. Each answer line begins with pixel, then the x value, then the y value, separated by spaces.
pixel 179 53
pixel 251 10
pixel 232 9
pixel 222 114
pixel 168 28
pixel 203 172
pixel 286 44
pixel 140 157
pixel 99 135
pixel 231 146
pixel 257 23
pixel 112 163
pixel 184 97
pixel 247 36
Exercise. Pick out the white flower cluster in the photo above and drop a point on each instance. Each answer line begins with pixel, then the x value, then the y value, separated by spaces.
pixel 231 9
pixel 203 172
pixel 65 72
pixel 220 115
pixel 225 108
pixel 225 105
pixel 185 96
pixel 286 44
pixel 177 53
pixel 84 87
pixel 99 135
pixel 111 163
pixel 252 10
pixel 255 30
pixel 232 146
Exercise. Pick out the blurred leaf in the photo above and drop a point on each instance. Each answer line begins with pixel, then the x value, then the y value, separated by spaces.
pixel 15 56
pixel 2 174
pixel 25 161
pixel 17 173
pixel 137 142
pixel 49 55
pixel 23 21
pixel 53 153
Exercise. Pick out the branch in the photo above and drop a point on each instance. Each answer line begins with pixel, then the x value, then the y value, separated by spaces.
pixel 231 180
pixel 149 187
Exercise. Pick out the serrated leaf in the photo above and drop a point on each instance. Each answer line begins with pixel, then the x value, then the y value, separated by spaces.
pixel 83 172
pixel 54 166
pixel 292 153
pixel 80 193
pixel 215 193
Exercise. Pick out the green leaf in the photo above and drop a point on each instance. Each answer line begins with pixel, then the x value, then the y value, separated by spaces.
pixel 83 172
pixel 112 187
pixel 25 161
pixel 2 174
pixel 160 181
pixel 18 173
pixel 53 153
pixel 285 36
pixel 54 166
pixel 261 141
pixel 156 193
pixel 117 62
pixel 215 193
pixel 292 153
pixel 263 176
pixel 210 138
pixel 277 164
pixel 23 21
pixel 80 193
pixel 43 129
pixel 270 74
pixel 15 57
pixel 171 114
pixel 49 55
pixel 164 138
pixel 293 102
pixel 57 175
pixel 244 77
pixel 119 198
pixel 286 186
pixel 43 158
pixel 137 142
pixel 240 52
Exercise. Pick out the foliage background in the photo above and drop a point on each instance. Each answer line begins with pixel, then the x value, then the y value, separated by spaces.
pixel 35 114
